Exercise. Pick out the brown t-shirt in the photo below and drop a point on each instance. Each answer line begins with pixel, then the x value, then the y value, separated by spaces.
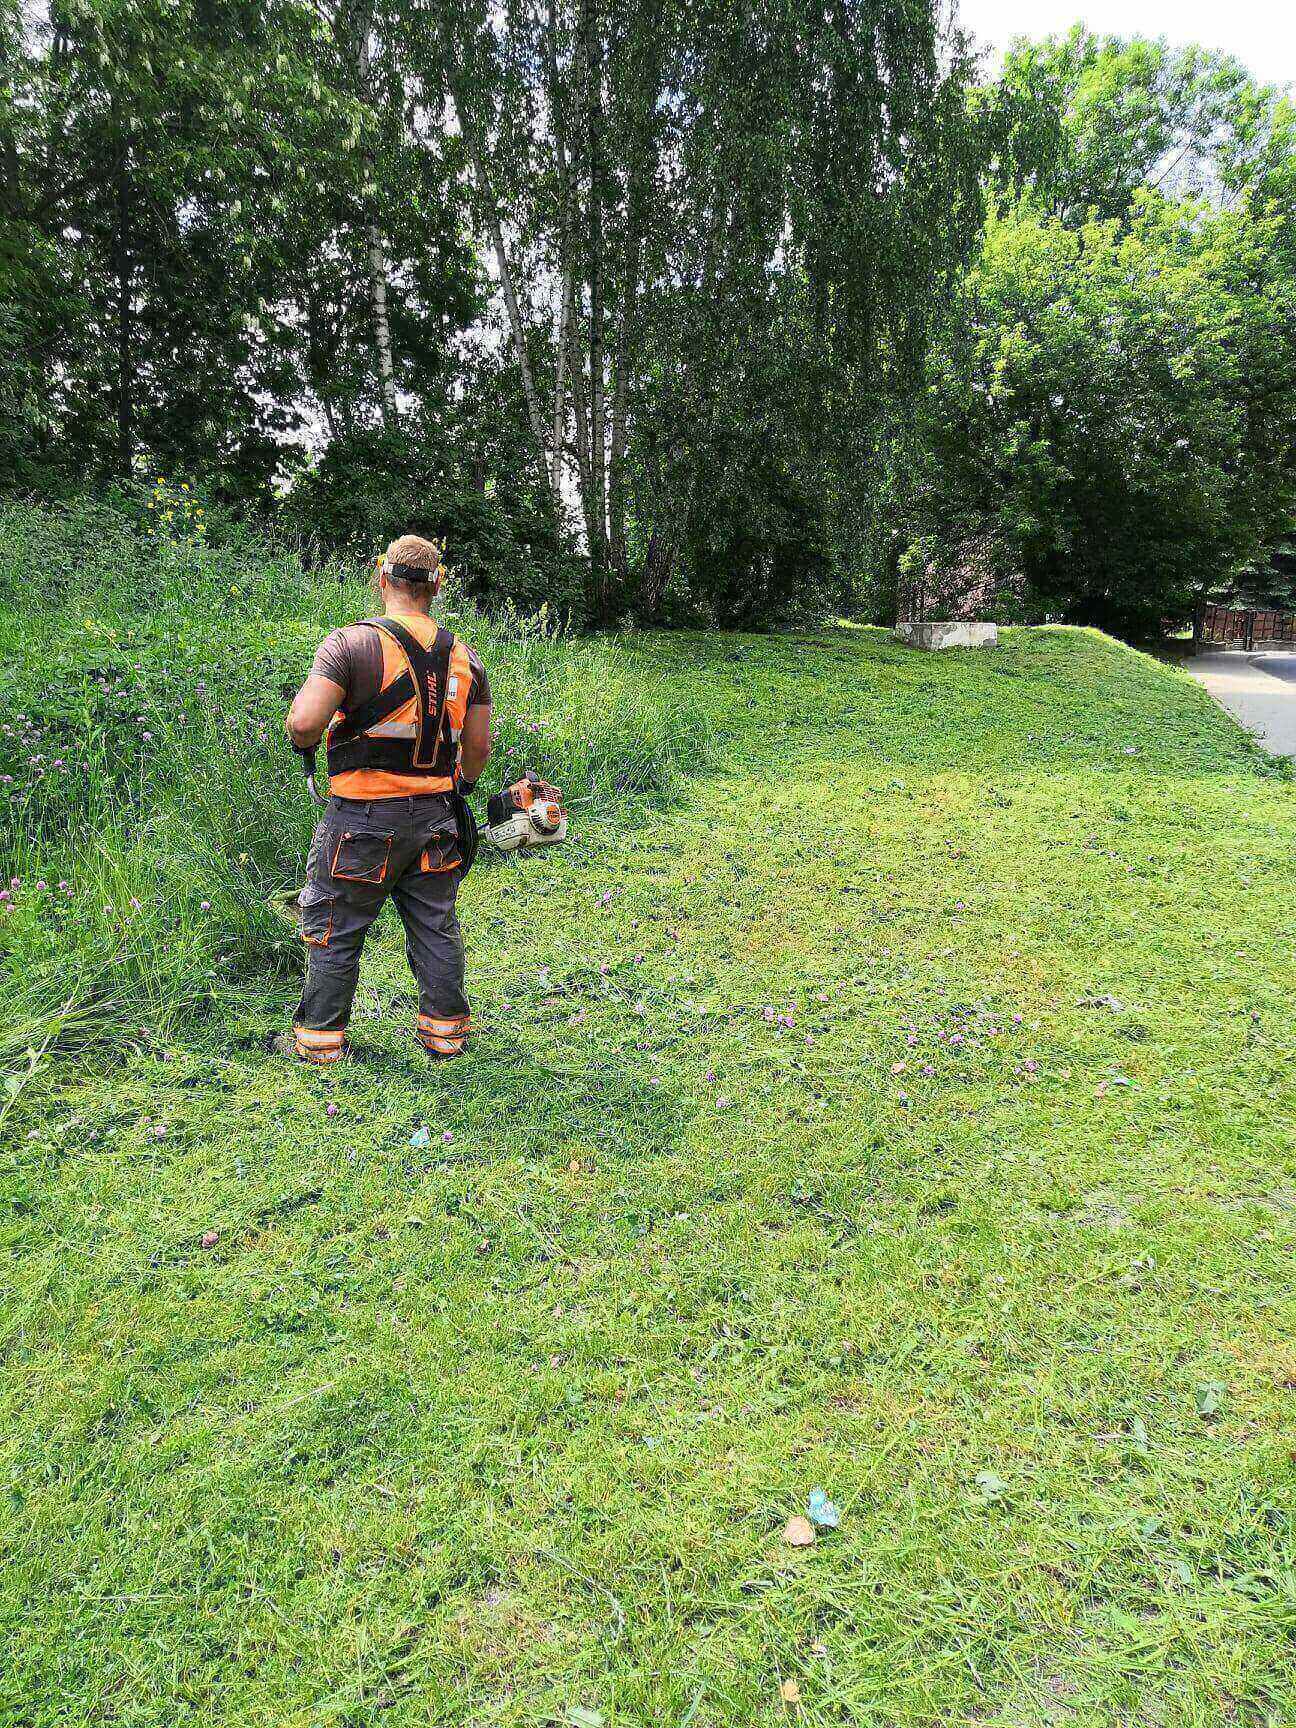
pixel 353 658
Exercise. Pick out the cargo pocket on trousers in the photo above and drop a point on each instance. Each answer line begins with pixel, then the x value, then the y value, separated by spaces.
pixel 441 852
pixel 360 857
pixel 316 908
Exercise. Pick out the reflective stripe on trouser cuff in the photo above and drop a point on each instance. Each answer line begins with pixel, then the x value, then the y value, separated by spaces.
pixel 444 1037
pixel 315 1046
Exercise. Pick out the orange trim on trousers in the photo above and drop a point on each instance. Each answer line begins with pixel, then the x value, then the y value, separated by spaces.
pixel 443 1037
pixel 315 1046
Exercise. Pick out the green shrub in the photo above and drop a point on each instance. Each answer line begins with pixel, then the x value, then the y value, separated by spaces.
pixel 504 541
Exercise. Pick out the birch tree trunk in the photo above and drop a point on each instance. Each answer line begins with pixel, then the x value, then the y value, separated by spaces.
pixel 621 368
pixel 386 370
pixel 580 413
pixel 125 369
pixel 560 387
pixel 566 262
pixel 641 175
pixel 490 210
pixel 377 260
pixel 593 53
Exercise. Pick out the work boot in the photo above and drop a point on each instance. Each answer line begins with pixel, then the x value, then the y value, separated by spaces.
pixel 443 1039
pixel 441 1055
pixel 285 1044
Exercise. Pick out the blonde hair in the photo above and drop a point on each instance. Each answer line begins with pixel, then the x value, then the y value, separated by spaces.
pixel 413 549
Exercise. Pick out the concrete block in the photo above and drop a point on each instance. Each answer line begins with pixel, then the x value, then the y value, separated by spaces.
pixel 950 635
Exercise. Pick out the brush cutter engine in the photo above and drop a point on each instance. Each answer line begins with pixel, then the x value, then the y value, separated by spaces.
pixel 527 813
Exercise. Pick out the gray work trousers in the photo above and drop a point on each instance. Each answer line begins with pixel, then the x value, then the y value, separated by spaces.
pixel 363 851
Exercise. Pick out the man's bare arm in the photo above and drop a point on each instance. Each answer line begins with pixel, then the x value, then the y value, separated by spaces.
pixel 313 707
pixel 475 741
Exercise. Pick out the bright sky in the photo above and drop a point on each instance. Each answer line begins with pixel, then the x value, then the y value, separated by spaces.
pixel 1259 33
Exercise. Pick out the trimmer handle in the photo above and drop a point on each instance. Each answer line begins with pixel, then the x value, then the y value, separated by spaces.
pixel 309 769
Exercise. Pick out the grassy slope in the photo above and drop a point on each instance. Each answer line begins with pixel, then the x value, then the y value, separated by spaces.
pixel 480 1433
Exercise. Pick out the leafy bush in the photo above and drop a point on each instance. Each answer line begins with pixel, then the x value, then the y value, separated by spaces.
pixel 150 811
pixel 1111 401
pixel 370 487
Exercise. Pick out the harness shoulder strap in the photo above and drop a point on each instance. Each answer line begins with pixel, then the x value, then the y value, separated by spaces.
pixel 430 669
pixel 378 707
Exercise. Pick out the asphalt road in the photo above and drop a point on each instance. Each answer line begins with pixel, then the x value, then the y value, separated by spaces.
pixel 1258 690
pixel 1278 665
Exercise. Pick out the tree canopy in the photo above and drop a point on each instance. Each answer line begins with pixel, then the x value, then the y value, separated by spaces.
pixel 1111 406
pixel 697 312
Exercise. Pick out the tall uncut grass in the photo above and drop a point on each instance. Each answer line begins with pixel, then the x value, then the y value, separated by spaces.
pixel 150 809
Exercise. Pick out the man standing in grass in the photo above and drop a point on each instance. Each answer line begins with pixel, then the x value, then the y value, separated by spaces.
pixel 407 707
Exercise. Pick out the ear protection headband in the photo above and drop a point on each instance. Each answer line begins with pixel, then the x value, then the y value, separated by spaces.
pixel 408 572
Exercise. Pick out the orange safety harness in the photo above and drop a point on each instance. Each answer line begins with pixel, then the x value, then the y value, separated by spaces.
pixel 405 740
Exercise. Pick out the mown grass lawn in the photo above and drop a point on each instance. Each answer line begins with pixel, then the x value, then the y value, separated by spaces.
pixel 907 1110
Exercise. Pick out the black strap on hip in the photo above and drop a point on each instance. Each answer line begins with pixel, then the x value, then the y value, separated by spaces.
pixel 466 828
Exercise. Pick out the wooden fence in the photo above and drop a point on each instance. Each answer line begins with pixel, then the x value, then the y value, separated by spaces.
pixel 1234 627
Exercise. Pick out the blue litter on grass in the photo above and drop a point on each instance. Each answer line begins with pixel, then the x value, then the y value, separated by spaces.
pixel 822 1511
pixel 420 1138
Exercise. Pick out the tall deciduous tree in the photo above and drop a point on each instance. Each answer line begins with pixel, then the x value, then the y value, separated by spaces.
pixel 676 197
pixel 151 145
pixel 206 207
pixel 1112 408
